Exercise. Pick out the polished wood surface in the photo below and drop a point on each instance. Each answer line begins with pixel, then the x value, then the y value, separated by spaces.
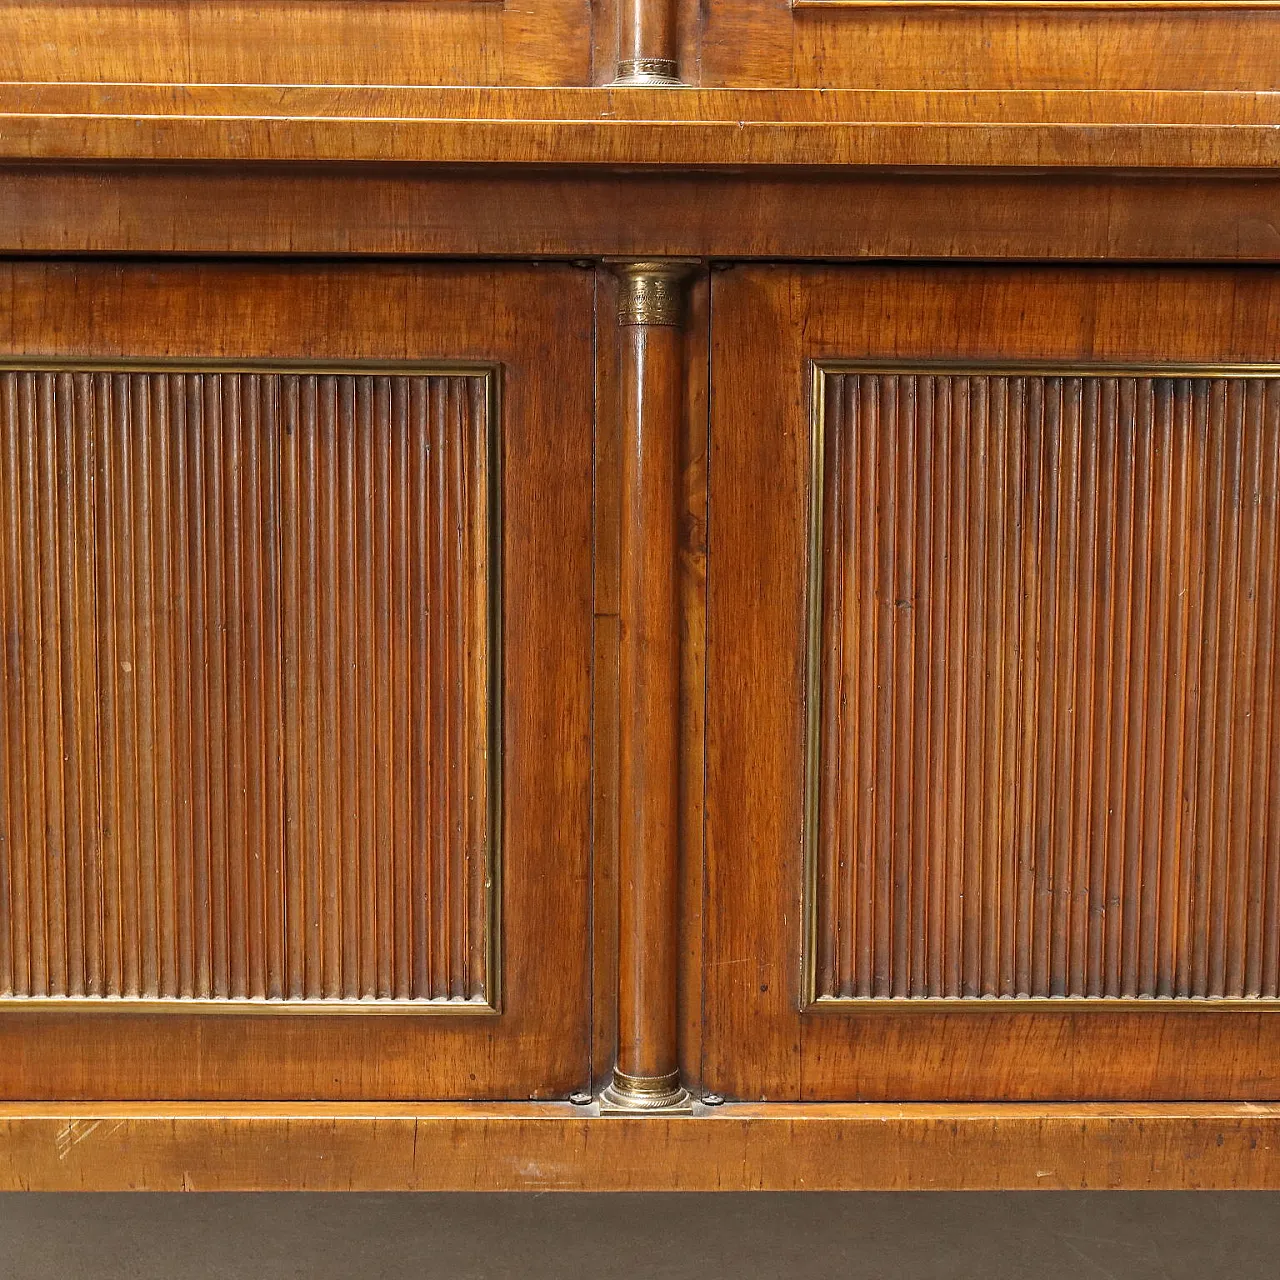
pixel 770 323
pixel 1029 757
pixel 556 1147
pixel 220 783
pixel 316 42
pixel 250 625
pixel 998 45
pixel 1043 686
pixel 1230 129
pixel 276 209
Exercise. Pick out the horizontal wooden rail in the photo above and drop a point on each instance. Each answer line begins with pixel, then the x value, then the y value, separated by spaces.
pixel 557 1147
pixel 659 127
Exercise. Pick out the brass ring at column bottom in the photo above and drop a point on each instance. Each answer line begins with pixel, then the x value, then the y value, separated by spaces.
pixel 645 1094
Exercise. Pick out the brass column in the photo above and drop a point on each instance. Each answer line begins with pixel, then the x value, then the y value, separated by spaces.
pixel 651 308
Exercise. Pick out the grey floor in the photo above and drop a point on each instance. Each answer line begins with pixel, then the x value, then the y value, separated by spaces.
pixel 663 1237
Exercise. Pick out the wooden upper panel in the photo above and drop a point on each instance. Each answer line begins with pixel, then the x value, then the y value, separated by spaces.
pixel 246 691
pixel 1046 708
pixel 996 45
pixel 315 42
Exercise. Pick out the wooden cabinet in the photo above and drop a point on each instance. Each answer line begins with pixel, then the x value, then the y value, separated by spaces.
pixel 993 707
pixel 296 687
pixel 640 595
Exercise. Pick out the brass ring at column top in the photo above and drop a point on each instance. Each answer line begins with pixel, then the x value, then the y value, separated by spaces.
pixel 652 292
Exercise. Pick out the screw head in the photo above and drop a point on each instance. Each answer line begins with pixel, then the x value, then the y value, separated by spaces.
pixel 580 1099
pixel 712 1100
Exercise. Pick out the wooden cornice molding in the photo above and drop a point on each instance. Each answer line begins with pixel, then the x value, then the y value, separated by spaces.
pixel 669 128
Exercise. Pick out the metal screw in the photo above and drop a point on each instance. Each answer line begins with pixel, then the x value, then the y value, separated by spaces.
pixel 712 1100
pixel 580 1099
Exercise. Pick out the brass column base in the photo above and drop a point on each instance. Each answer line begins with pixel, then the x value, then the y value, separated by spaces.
pixel 648 73
pixel 641 1095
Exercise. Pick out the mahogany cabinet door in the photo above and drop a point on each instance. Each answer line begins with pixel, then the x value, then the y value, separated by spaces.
pixel 994 684
pixel 295 597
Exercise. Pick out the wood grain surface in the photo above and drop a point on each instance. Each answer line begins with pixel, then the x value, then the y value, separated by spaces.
pixel 248 702
pixel 248 711
pixel 1165 685
pixel 556 1147
pixel 1231 129
pixel 276 209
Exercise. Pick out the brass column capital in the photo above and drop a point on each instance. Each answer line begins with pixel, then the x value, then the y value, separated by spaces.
pixel 652 291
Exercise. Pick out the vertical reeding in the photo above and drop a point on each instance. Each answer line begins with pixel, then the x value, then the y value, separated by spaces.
pixel 252 781
pixel 423 707
pixel 977 807
pixel 828 682
pixel 885 579
pixel 1245 840
pixel 383 843
pixel 1153 839
pixel 939 679
pixel 159 479
pixel 1085 551
pixel 1229 604
pixel 142 497
pixel 478 464
pixel 348 741
pixel 1137 607
pixel 1029 688
pixel 270 764
pixel 868 441
pixel 1066 782
pixel 1170 966
pixel 1042 972
pixel 1269 936
pixel 958 673
pixel 13 974
pixel 299 960
pixel 1013 424
pixel 921 785
pixel 363 657
pixel 901 717
pixel 183 513
pixel 404 693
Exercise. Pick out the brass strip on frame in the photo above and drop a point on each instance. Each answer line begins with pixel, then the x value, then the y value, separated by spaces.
pixel 810 1001
pixel 449 1007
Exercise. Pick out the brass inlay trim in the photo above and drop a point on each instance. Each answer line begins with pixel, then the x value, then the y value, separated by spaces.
pixel 652 292
pixel 648 73
pixel 810 1000
pixel 492 374
pixel 1041 1004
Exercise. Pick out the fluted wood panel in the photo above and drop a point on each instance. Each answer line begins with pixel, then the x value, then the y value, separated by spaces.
pixel 245 695
pixel 1045 748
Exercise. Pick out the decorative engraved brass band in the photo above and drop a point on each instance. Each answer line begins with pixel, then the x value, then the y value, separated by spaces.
pixel 652 292
pixel 650 73
pixel 283 1007
pixel 645 1093
pixel 810 1001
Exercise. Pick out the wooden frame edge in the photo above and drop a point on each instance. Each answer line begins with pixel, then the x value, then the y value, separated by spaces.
pixel 559 1147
